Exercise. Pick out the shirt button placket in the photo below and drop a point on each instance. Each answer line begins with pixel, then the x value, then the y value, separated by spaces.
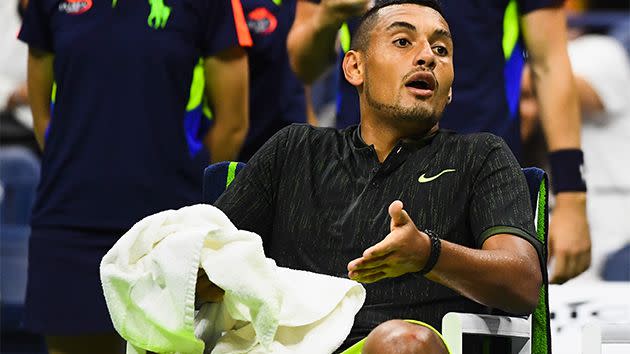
pixel 374 172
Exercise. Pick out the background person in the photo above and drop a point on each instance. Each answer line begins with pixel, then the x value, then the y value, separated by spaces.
pixel 277 97
pixel 117 141
pixel 603 93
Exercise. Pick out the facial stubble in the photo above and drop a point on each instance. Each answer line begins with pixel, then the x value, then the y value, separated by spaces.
pixel 395 110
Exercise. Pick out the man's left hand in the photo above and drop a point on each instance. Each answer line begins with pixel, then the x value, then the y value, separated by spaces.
pixel 404 250
pixel 569 237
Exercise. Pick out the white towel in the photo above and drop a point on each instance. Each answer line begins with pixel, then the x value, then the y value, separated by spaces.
pixel 149 278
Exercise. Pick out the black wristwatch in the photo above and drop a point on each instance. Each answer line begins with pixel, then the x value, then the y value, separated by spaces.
pixel 436 248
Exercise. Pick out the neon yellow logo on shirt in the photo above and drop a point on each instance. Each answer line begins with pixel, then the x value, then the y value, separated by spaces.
pixel 424 179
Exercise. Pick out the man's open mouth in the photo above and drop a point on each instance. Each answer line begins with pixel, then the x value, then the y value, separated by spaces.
pixel 421 81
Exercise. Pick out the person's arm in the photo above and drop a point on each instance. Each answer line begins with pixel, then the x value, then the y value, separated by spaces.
pixel 503 270
pixel 40 81
pixel 504 274
pixel 311 116
pixel 591 104
pixel 545 37
pixel 227 89
pixel 311 41
pixel 18 97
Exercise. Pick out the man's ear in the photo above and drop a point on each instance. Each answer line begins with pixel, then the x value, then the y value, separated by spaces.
pixel 450 95
pixel 353 67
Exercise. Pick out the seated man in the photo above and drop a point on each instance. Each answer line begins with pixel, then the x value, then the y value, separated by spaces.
pixel 331 201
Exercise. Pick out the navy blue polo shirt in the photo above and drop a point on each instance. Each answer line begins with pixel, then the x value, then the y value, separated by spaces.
pixel 488 71
pixel 276 95
pixel 116 148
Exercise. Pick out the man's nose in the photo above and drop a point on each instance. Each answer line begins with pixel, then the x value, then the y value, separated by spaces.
pixel 425 56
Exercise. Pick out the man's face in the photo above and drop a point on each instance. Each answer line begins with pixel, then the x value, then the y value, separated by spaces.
pixel 408 65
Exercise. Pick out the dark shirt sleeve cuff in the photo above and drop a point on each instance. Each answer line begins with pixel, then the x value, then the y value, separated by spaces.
pixel 495 230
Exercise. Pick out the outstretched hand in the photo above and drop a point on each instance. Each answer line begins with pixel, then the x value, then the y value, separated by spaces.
pixel 404 250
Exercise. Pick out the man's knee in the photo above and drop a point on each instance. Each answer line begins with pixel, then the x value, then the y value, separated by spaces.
pixel 400 337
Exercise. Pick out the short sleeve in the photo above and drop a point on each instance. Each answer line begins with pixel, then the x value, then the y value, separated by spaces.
pixel 36 30
pixel 527 6
pixel 226 27
pixel 500 201
pixel 249 201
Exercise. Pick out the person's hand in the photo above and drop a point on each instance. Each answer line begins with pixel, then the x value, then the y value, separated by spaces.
pixel 404 250
pixel 569 237
pixel 338 11
pixel 207 291
pixel 18 97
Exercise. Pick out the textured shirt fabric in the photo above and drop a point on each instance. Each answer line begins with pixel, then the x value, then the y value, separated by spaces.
pixel 486 86
pixel 116 147
pixel 319 197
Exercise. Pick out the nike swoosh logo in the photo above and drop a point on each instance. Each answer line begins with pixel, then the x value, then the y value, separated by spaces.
pixel 424 179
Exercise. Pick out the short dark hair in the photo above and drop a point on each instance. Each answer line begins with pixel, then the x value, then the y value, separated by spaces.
pixel 360 38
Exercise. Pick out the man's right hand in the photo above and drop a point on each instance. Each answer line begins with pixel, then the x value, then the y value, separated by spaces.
pixel 207 291
pixel 337 11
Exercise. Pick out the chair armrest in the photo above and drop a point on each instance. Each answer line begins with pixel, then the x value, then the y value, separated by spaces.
pixel 455 324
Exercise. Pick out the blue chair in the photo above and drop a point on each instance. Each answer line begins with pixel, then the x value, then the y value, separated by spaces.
pixel 617 265
pixel 19 175
pixel 530 335
pixel 217 177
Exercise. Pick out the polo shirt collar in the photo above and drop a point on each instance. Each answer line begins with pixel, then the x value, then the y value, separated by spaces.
pixel 413 143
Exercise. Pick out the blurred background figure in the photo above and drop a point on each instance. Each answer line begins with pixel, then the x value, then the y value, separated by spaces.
pixel 597 31
pixel 277 97
pixel 116 90
pixel 602 76
pixel 19 175
pixel 490 39
pixel 16 122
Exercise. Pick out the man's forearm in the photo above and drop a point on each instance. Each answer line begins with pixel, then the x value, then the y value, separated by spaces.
pixel 497 278
pixel 311 42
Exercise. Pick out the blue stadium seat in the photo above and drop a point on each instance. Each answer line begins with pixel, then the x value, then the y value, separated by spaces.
pixel 217 177
pixel 19 175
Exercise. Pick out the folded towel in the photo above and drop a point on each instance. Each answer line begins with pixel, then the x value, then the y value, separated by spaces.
pixel 149 279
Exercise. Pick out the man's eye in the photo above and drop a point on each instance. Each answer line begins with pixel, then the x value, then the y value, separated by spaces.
pixel 440 50
pixel 402 42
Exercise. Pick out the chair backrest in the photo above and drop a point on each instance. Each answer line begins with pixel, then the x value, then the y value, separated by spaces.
pixel 537 182
pixel 19 175
pixel 217 177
